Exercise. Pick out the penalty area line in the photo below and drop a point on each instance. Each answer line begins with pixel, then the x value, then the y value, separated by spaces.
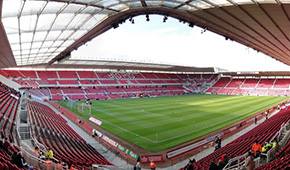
pixel 126 130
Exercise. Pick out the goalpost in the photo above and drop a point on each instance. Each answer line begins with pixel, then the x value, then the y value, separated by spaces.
pixel 70 103
pixel 84 108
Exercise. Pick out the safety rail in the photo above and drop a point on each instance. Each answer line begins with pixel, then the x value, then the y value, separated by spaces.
pixel 241 163
pixel 270 155
pixel 34 161
pixel 40 146
pixel 284 128
pixel 106 167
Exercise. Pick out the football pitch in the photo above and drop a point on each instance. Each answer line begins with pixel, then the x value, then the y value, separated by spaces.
pixel 161 122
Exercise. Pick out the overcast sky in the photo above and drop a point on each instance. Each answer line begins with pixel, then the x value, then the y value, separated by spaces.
pixel 175 43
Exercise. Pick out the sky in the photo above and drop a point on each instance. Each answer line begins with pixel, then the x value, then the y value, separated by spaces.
pixel 174 43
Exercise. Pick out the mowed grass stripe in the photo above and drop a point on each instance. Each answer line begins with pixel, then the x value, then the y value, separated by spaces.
pixel 138 120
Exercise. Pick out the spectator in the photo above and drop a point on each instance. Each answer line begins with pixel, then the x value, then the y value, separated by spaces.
pixel 48 164
pixel 95 134
pixel 49 154
pixel 256 149
pixel 249 162
pixel 224 158
pixel 14 158
pixel 189 166
pixel 274 143
pixel 1 144
pixel 220 164
pixel 218 142
pixel 58 166
pixel 69 164
pixel 213 166
pixel 268 145
pixel 192 160
pixel 256 120
pixel 6 145
pixel 36 152
pixel 152 165
pixel 264 148
pixel 137 166
pixel 20 161
pixel 72 167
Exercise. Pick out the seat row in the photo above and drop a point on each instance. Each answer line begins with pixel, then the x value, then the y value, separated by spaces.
pixel 8 107
pixel 107 92
pixel 263 132
pixel 52 130
pixel 44 75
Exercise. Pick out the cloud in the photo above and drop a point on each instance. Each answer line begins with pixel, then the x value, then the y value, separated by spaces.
pixel 175 43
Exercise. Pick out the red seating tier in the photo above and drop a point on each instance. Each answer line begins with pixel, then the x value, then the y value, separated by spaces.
pixel 266 83
pixel 92 82
pixel 87 74
pixel 47 74
pixel 161 76
pixel 250 83
pixel 67 74
pixel 264 132
pixel 29 74
pixel 102 75
pixel 222 82
pixel 149 76
pixel 4 74
pixel 108 82
pixel 235 83
pixel 13 73
pixel 52 131
pixel 68 82
pixel 194 76
pixel 206 76
pixel 282 83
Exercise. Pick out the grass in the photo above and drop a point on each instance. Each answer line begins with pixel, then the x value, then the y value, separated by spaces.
pixel 162 122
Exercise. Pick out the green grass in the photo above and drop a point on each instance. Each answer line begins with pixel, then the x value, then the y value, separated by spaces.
pixel 139 120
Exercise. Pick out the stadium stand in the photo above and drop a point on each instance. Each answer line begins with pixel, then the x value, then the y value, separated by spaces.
pixel 282 83
pixel 87 75
pixel 235 83
pixel 67 75
pixel 5 158
pixel 44 75
pixel 222 82
pixel 266 83
pixel 8 107
pixel 264 132
pixel 52 131
pixel 250 83
pixel 180 83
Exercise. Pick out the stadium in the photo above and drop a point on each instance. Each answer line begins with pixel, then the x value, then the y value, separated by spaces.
pixel 62 112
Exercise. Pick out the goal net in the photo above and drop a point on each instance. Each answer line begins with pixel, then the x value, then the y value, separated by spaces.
pixel 84 108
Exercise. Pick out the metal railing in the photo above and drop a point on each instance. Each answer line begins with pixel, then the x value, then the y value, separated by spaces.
pixel 33 160
pixel 270 155
pixel 239 162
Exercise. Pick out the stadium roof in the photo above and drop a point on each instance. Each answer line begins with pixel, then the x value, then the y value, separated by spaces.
pixel 126 65
pixel 258 74
pixel 45 31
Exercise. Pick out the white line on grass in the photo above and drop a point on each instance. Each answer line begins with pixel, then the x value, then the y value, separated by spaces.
pixel 140 111
pixel 201 128
pixel 126 130
pixel 159 141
